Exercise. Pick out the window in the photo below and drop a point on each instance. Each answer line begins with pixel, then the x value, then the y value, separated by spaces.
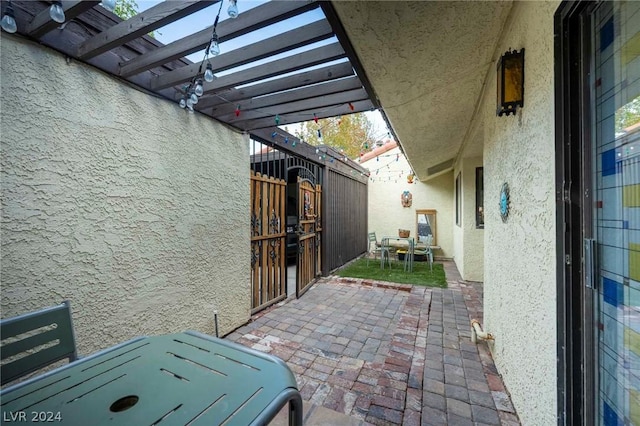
pixel 458 201
pixel 426 225
pixel 480 198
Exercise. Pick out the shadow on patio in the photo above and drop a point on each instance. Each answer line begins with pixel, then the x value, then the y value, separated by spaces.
pixel 385 353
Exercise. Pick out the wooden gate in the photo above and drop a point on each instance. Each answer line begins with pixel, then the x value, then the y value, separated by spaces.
pixel 309 228
pixel 268 241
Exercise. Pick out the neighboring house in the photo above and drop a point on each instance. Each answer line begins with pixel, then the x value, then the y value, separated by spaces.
pixel 388 182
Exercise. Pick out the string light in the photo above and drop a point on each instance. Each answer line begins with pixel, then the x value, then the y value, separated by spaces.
pixel 195 89
pixel 232 11
pixel 8 23
pixel 277 119
pixel 315 117
pixel 56 12
pixel 208 74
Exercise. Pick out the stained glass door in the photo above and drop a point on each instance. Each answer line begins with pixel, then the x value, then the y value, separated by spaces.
pixel 616 215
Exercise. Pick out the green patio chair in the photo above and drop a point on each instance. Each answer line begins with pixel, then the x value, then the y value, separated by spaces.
pixel 23 334
pixel 427 251
pixel 374 247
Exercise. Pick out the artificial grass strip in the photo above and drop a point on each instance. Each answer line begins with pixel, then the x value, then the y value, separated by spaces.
pixel 421 274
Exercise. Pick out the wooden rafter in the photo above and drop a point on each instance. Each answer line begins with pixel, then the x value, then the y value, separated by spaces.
pixel 301 79
pixel 317 103
pixel 253 19
pixel 42 22
pixel 340 109
pixel 306 59
pixel 293 39
pixel 140 24
pixel 323 89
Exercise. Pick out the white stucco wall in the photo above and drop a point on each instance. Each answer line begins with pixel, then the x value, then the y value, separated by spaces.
pixel 469 240
pixel 520 270
pixel 386 213
pixel 133 209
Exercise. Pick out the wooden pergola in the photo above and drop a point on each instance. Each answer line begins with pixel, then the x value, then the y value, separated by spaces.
pixel 295 88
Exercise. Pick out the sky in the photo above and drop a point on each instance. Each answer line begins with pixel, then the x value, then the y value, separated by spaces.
pixel 205 18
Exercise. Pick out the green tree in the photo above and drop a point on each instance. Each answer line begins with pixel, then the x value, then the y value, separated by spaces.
pixel 126 9
pixel 628 115
pixel 351 133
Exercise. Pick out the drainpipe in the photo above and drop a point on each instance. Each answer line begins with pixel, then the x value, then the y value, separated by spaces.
pixel 476 332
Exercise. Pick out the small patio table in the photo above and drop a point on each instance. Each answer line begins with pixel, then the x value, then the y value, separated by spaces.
pixel 177 379
pixel 403 243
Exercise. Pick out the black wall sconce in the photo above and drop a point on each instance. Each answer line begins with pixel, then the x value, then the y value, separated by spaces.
pixel 510 82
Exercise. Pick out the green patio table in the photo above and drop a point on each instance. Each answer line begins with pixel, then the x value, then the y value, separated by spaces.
pixel 178 379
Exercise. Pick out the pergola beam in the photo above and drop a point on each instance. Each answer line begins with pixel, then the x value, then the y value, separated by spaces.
pixel 140 24
pixel 289 40
pixel 42 22
pixel 302 60
pixel 253 19
pixel 297 117
pixel 317 103
pixel 306 92
pixel 305 78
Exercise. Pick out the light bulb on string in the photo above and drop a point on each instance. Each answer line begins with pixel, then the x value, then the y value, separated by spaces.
pixel 199 90
pixel 194 98
pixel 317 150
pixel 315 117
pixel 208 74
pixel 214 46
pixel 351 107
pixel 183 103
pixel 8 20
pixel 232 10
pixel 273 135
pixel 56 12
pixel 294 143
pixel 110 5
pixel 319 134
pixel 189 103
pixel 286 139
pixel 277 119
pixel 238 111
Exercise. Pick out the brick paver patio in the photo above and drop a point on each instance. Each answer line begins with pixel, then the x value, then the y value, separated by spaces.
pixel 387 354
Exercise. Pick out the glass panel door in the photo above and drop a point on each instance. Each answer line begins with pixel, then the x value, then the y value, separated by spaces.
pixel 616 113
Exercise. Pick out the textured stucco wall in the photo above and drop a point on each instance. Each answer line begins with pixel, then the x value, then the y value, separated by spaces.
pixel 520 268
pixel 121 202
pixel 469 240
pixel 386 214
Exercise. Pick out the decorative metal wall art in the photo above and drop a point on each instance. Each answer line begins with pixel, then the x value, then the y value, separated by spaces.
pixel 504 202
pixel 406 198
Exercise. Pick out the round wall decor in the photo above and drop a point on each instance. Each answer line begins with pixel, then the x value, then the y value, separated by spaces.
pixel 504 201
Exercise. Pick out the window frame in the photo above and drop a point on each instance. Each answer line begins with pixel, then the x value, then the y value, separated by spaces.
pixel 479 197
pixel 458 197
pixel 434 225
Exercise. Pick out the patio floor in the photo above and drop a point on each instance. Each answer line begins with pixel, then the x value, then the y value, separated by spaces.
pixel 385 354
